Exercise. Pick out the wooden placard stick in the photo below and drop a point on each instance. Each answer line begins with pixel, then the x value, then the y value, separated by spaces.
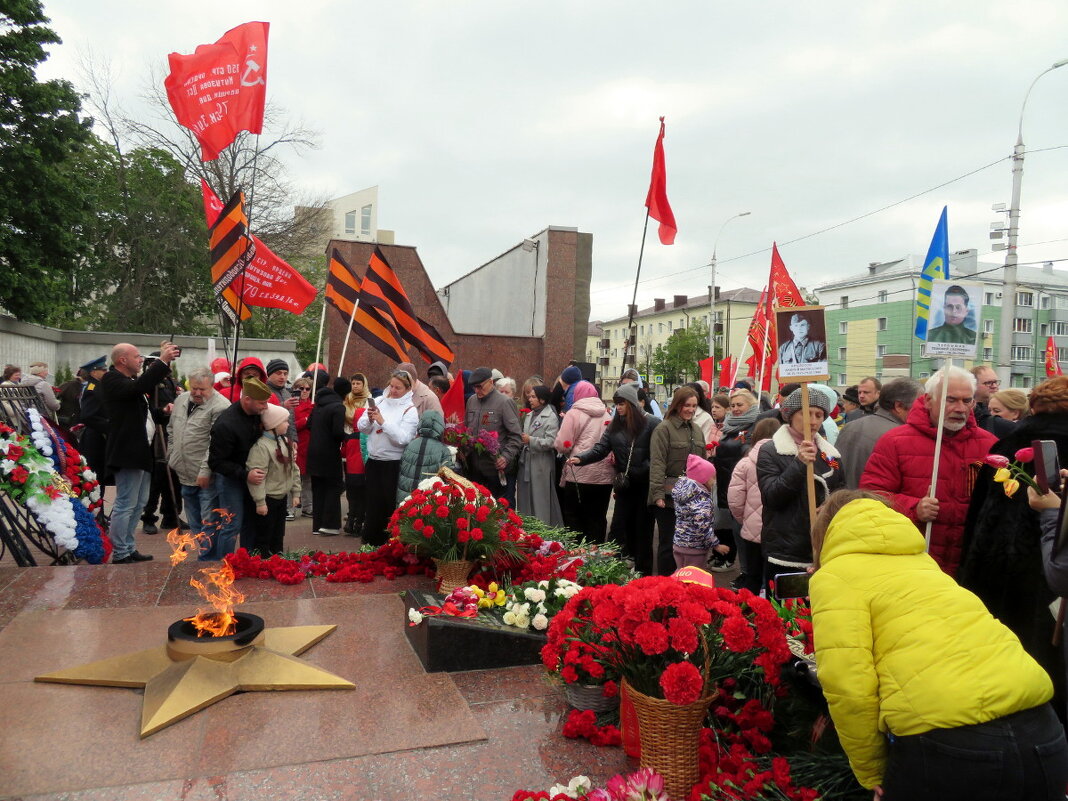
pixel 810 473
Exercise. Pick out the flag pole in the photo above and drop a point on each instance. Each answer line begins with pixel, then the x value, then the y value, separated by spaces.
pixel 768 323
pixel 634 299
pixel 938 447
pixel 318 349
pixel 810 470
pixel 348 335
pixel 244 267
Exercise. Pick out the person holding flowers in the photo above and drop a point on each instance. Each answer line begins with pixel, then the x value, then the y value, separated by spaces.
pixel 933 699
pixel 587 489
pixel 1002 555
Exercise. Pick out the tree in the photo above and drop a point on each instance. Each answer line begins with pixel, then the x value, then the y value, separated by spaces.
pixel 40 129
pixel 677 359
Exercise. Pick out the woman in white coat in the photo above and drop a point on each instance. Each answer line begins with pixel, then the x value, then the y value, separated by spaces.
pixel 389 425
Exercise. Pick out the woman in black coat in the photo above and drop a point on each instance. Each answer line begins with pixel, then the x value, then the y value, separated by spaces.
pixel 327 426
pixel 1002 557
pixel 627 440
pixel 732 446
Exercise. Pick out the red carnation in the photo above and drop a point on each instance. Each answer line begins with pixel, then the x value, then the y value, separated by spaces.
pixel 681 683
pixel 418 525
pixel 476 533
pixel 567 443
pixel 442 511
pixel 482 513
pixel 14 452
pixel 19 474
pixel 651 637
pixel 462 523
pixel 463 536
pixel 738 636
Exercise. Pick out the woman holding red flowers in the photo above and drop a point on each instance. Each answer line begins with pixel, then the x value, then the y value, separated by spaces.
pixel 933 698
pixel 671 444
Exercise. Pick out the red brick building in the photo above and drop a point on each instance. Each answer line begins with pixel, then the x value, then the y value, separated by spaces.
pixel 524 312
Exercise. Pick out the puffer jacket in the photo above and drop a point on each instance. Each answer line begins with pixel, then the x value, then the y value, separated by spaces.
pixel 424 455
pixel 743 495
pixel 784 498
pixel 900 647
pixel 386 443
pixel 233 393
pixel 695 515
pixel 901 464
pixel 582 427
pixel 617 442
pixel 672 441
pixel 327 426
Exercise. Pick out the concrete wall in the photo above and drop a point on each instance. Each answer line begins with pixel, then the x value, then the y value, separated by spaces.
pixel 25 343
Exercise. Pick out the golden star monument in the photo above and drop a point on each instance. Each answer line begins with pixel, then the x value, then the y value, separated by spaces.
pixel 185 676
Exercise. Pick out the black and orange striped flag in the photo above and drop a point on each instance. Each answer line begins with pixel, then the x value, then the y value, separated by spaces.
pixel 372 321
pixel 231 252
pixel 382 282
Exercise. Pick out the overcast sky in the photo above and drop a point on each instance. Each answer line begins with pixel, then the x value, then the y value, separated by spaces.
pixel 484 122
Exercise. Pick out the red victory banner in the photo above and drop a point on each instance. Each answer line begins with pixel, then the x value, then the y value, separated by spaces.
pixel 221 88
pixel 1053 367
pixel 269 281
pixel 656 200
pixel 783 290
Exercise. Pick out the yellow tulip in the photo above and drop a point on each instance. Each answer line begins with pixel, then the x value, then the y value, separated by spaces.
pixel 492 588
pixel 1002 474
pixel 1010 487
pixel 501 598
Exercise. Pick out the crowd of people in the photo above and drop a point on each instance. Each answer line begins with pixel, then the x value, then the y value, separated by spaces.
pixel 713 480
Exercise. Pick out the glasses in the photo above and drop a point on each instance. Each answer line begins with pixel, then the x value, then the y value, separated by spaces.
pixel 305 389
pixel 996 382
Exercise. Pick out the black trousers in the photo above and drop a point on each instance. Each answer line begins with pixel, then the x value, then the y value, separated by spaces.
pixel 326 503
pixel 270 529
pixel 381 498
pixel 632 525
pixel 1018 756
pixel 356 497
pixel 585 509
pixel 161 496
pixel 665 527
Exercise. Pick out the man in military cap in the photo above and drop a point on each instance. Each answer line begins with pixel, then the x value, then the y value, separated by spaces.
pixel 93 419
pixel 232 437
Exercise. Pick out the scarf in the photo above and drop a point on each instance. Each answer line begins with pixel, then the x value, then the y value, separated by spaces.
pixel 734 423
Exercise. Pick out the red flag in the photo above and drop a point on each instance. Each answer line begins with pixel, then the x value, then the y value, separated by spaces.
pixel 704 366
pixel 656 201
pixel 727 371
pixel 269 281
pixel 784 291
pixel 453 404
pixel 762 340
pixel 1053 366
pixel 221 88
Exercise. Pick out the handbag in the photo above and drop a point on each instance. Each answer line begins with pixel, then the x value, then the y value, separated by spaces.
pixel 621 481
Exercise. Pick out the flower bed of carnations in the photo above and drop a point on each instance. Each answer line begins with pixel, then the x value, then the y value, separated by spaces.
pixel 389 561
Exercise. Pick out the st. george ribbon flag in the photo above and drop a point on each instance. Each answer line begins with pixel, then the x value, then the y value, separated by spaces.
pixel 935 266
pixel 269 281
pixel 370 316
pixel 231 252
pixel 220 89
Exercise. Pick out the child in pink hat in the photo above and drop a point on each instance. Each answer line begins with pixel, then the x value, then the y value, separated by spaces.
pixel 695 512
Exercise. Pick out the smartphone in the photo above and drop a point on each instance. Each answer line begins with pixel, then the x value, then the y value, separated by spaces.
pixel 791 585
pixel 370 403
pixel 172 342
pixel 1047 465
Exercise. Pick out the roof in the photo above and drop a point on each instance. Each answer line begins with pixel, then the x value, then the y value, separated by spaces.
pixel 743 295
pixel 594 329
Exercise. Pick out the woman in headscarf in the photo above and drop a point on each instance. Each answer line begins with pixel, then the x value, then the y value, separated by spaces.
pixel 733 442
pixel 351 452
pixel 535 491
pixel 587 490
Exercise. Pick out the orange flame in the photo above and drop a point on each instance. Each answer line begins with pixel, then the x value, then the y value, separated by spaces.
pixel 184 545
pixel 217 590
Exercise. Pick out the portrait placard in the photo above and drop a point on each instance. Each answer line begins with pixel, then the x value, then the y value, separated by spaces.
pixel 956 310
pixel 802 335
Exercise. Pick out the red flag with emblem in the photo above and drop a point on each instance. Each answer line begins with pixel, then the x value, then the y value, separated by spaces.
pixel 1053 367
pixel 220 89
pixel 784 291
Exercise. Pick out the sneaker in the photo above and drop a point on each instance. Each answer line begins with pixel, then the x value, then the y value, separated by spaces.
pixel 719 565
pixel 290 517
pixel 149 528
pixel 328 532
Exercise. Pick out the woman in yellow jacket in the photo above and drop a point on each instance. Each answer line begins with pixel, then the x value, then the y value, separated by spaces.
pixel 932 697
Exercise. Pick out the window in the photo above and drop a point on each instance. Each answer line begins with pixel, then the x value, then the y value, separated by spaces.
pixel 1021 353
pixel 365 220
pixel 1062 354
pixel 842 353
pixel 988 326
pixel 843 327
pixel 988 354
pixel 843 380
pixel 1022 325
pixel 990 299
pixel 883 295
pixel 660 328
pixel 1021 381
pixel 682 323
pixel 350 223
pixel 1060 302
pixel 669 325
pixel 1059 328
pixel 881 324
pixel 1044 301
pixel 1043 330
pixel 1025 298
pixel 880 350
pixel 843 302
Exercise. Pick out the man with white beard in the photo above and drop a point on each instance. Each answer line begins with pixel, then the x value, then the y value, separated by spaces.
pixel 901 464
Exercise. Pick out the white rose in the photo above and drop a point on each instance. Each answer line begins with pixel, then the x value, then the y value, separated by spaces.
pixel 509 618
pixel 522 621
pixel 532 594
pixel 580 785
pixel 415 616
pixel 542 609
pixel 540 622
pixel 543 584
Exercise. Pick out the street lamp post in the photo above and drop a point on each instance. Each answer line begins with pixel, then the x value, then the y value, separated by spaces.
pixel 712 296
pixel 1008 295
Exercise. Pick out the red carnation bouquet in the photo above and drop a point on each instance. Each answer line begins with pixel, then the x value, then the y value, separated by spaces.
pixel 451 521
pixel 670 639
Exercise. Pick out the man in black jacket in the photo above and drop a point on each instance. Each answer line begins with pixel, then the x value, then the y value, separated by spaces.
pixel 129 446
pixel 232 437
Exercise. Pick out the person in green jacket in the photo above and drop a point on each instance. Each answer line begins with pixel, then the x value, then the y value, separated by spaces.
pixel 932 697
pixel 424 455
pixel 275 454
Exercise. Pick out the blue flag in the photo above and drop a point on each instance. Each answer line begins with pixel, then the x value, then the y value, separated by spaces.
pixel 935 266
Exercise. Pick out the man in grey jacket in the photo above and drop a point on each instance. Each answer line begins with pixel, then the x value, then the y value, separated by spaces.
pixel 489 410
pixel 858 438
pixel 189 433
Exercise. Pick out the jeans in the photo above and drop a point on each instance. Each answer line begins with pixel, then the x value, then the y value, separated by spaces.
pixel 199 504
pixel 131 494
pixel 1018 757
pixel 235 500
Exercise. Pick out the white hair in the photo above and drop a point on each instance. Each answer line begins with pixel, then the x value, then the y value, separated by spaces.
pixel 501 383
pixel 934 383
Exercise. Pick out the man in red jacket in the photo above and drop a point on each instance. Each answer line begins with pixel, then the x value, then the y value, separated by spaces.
pixel 901 464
